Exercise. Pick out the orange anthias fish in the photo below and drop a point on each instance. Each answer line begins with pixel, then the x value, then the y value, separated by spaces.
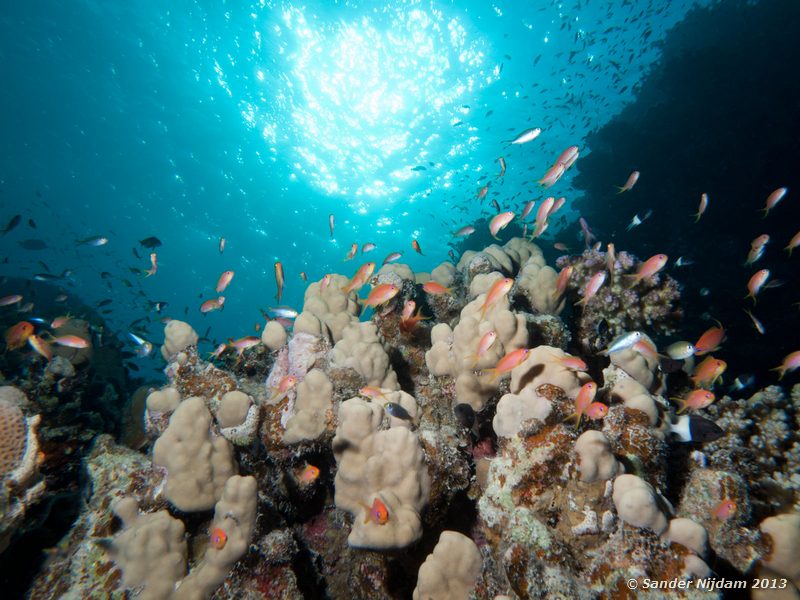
pixel 361 277
pixel 487 340
pixel 756 249
pixel 500 222
pixel 217 538
pixel 303 276
pixel 510 361
pixel 568 156
pixel 381 294
pixel 695 400
pixel 583 401
pixel 17 335
pixel 710 341
pixel 415 246
pixel 499 289
pixel 573 363
pixel 793 243
pixel 790 362
pixel 40 346
pixel 213 304
pixel 377 513
pixel 482 192
pixel 370 391
pixel 153 266
pixel 596 411
pixel 308 475
pixel 352 253
pixel 594 284
pixel 632 179
pixel 71 341
pixel 223 281
pixel 409 320
pixel 724 510
pixel 756 282
pixel 647 269
pixel 435 288
pixel 563 279
pixel 773 199
pixel 708 371
pixel 285 385
pixel 60 321
pixel 527 210
pixel 553 174
pixel 502 162
pixel 279 280
pixel 702 208
pixel 244 343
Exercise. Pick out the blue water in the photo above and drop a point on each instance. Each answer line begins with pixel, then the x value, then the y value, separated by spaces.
pixel 192 121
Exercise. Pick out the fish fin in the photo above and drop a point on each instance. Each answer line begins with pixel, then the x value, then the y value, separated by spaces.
pixel 631 280
pixel 573 418
pixel 789 249
pixel 697 217
pixel 781 372
pixel 620 188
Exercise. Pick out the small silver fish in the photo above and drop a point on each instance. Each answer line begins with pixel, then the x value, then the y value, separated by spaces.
pixel 683 262
pixel 623 342
pixel 283 311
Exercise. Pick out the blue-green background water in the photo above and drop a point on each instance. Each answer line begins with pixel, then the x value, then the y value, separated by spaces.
pixel 253 121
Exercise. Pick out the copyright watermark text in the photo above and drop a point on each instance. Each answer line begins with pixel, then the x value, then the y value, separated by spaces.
pixel 706 583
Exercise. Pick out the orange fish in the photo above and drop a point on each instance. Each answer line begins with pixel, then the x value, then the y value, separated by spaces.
pixel 482 192
pixel 303 276
pixel 756 249
pixel 370 391
pixel 60 321
pixel 499 289
pixel 499 222
pixel 596 411
pixel 632 179
pixel 486 342
pixel 773 199
pixel 568 156
pixel 724 510
pixel 325 282
pixel 360 278
pixel 352 253
pixel 244 343
pixel 219 350
pixel 378 513
pixel 527 210
pixel 583 401
pixel 561 247
pixel 695 400
pixel 71 341
pixel 756 282
pixel 510 361
pixel 435 288
pixel 594 284
pixel 793 243
pixel 279 280
pixel 563 280
pixel 40 346
pixel 17 335
pixel 790 362
pixel 415 246
pixel 708 371
pixel 381 294
pixel 213 304
pixel 611 258
pixel 552 175
pixel 710 341
pixel 409 320
pixel 646 348
pixel 218 538
pixel 702 208
pixel 223 281
pixel 573 363
pixel 308 475
pixel 153 266
pixel 647 269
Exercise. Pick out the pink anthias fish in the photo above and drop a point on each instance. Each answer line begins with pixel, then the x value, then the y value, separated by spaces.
pixel 509 362
pixel 563 280
pixel 568 157
pixel 790 362
pixel 213 304
pixel 223 281
pixel 757 282
pixel 702 208
pixel 793 243
pixel 486 342
pixel 773 199
pixel 527 210
pixel 552 175
pixel 588 235
pixel 500 222
pixel 368 247
pixel 499 289
pixel 648 268
pixel 632 179
pixel 756 249
pixel 153 266
pixel 594 284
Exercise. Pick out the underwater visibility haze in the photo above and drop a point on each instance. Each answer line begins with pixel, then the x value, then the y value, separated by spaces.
pixel 408 299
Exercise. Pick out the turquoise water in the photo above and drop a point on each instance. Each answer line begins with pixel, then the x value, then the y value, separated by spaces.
pixel 192 121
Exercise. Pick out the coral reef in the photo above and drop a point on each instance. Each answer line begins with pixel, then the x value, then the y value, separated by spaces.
pixel 454 457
